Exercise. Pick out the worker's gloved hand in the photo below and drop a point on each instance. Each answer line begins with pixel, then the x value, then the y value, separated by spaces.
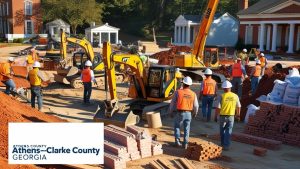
pixel 238 118
pixel 194 115
pixel 246 76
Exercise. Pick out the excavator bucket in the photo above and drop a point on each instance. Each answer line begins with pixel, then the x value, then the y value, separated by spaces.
pixel 109 113
pixel 62 74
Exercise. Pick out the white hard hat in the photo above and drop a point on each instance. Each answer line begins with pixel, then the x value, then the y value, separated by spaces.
pixel 36 64
pixel 177 69
pixel 262 54
pixel 11 59
pixel 208 72
pixel 244 50
pixel 187 80
pixel 88 63
pixel 226 84
pixel 258 61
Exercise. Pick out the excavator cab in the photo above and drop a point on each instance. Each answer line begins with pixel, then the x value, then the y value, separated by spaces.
pixel 211 57
pixel 79 59
pixel 160 82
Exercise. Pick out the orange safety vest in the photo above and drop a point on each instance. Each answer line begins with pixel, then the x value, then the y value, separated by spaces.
pixel 86 75
pixel 4 71
pixel 237 70
pixel 185 99
pixel 262 61
pixel 209 86
pixel 257 71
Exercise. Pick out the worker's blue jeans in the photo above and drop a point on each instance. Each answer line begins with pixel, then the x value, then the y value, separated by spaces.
pixel 226 125
pixel 207 102
pixel 237 86
pixel 254 84
pixel 10 85
pixel 36 93
pixel 182 118
pixel 87 91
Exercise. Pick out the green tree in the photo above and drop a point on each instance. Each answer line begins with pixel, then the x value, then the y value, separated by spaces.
pixel 75 12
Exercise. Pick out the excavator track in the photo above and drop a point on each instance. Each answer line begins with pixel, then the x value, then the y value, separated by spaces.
pixel 100 79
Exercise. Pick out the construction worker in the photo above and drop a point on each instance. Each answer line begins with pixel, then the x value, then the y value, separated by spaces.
pixel 185 104
pixel 208 91
pixel 244 57
pixel 228 107
pixel 36 78
pixel 6 75
pixel 87 76
pixel 263 63
pixel 255 76
pixel 238 73
pixel 32 57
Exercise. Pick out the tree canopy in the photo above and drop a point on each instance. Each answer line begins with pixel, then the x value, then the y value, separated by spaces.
pixel 132 16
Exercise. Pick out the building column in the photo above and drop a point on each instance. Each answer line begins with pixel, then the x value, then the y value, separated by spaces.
pixel 188 36
pixel 268 37
pixel 291 38
pixel 261 38
pixel 175 31
pixel 274 37
pixel 109 36
pixel 117 38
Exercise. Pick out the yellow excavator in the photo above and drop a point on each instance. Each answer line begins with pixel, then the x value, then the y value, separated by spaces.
pixel 70 74
pixel 200 57
pixel 152 88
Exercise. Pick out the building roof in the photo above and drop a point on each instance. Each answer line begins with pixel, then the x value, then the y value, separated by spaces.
pixel 104 27
pixel 58 22
pixel 262 6
pixel 197 18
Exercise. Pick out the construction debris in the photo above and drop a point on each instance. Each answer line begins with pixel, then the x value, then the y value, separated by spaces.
pixel 203 151
pixel 122 145
pixel 259 151
pixel 278 122
pixel 181 163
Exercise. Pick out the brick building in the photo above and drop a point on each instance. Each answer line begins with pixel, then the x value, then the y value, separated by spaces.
pixel 20 18
pixel 273 25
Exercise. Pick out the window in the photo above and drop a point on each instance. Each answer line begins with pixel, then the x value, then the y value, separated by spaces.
pixel 28 27
pixel 248 34
pixel 113 38
pixel 28 8
pixel 7 8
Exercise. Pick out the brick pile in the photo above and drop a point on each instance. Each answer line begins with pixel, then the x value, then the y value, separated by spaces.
pixel 278 122
pixel 203 151
pixel 258 141
pixel 122 145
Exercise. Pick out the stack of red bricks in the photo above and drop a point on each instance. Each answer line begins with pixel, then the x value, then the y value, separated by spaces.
pixel 122 145
pixel 156 148
pixel 143 139
pixel 278 122
pixel 203 151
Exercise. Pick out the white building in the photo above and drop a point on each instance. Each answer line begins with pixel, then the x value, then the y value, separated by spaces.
pixel 223 31
pixel 53 28
pixel 104 33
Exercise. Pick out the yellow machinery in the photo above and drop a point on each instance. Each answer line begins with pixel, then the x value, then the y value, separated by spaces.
pixel 71 74
pixel 151 89
pixel 201 57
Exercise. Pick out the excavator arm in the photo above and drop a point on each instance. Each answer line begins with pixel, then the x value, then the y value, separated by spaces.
pixel 133 61
pixel 198 49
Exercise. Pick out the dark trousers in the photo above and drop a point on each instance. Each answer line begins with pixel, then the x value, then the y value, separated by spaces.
pixel 87 91
pixel 36 92
pixel 207 103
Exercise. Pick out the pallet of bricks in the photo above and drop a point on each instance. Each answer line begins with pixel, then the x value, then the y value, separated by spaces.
pixel 203 151
pixel 278 122
pixel 121 145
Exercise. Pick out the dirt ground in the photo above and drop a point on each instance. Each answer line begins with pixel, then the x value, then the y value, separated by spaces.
pixel 66 103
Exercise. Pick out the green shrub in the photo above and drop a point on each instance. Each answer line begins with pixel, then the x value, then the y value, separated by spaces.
pixel 18 40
